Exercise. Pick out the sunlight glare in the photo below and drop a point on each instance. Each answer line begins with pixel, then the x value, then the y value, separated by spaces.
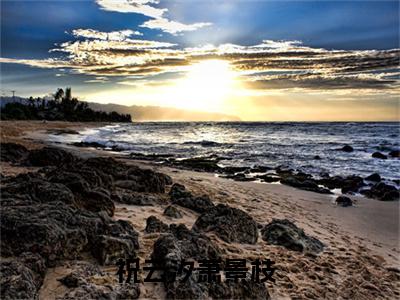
pixel 207 85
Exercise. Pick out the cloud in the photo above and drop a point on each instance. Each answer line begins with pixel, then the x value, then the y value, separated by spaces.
pixel 270 65
pixel 172 27
pixel 157 15
pixel 133 6
pixel 110 36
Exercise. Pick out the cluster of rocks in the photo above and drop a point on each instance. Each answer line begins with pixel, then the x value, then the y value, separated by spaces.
pixel 62 211
pixel 377 154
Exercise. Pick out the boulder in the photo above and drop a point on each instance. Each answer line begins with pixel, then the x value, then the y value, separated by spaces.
pixel 343 201
pixel 180 196
pixel 303 183
pixel 285 233
pixel 12 152
pixel 228 223
pixel 184 244
pixel 268 178
pixel 347 148
pixel 394 153
pixel 172 212
pixel 352 184
pixel 155 225
pixel 383 192
pixel 374 177
pixel 49 156
pixel 379 155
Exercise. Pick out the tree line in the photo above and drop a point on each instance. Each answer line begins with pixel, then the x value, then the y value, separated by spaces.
pixel 63 107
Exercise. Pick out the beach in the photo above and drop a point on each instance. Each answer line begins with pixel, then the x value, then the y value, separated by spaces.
pixel 359 260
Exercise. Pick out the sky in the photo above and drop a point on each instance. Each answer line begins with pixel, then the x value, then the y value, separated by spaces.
pixel 256 59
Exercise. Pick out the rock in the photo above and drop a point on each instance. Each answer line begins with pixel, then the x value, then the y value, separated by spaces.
pixel 202 164
pixel 108 249
pixel 304 183
pixel 180 196
pixel 195 289
pixel 155 225
pixel 12 152
pixel 198 204
pixel 317 157
pixel 268 178
pixel 232 170
pixel 17 281
pixel 82 287
pixel 374 177
pixel 344 201
pixel 184 244
pixel 49 156
pixel 88 145
pixel 352 184
pixel 347 148
pixel 383 192
pixel 135 198
pixel 229 224
pixel 179 191
pixel 173 212
pixel 394 153
pixel 239 177
pixel 260 169
pixel 379 155
pixel 285 233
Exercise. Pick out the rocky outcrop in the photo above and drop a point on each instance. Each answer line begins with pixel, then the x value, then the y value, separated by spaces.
pixel 228 223
pixel 81 284
pixel 383 192
pixel 13 153
pixel 285 233
pixel 184 244
pixel 180 196
pixel 306 184
pixel 155 225
pixel 64 210
pixel 172 212
pixel 49 156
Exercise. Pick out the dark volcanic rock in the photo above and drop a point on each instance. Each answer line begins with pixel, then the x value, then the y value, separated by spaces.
pixel 303 183
pixel 285 233
pixel 184 244
pixel 82 287
pixel 352 184
pixel 193 289
pixel 347 148
pixel 394 153
pixel 17 281
pixel 11 152
pixel 379 155
pixel 202 164
pixel 230 224
pixel 135 198
pixel 155 225
pixel 382 191
pixel 49 156
pixel 88 145
pixel 239 177
pixel 180 196
pixel 268 178
pixel 181 243
pixel 343 201
pixel 173 212
pixel 374 177
pixel 317 157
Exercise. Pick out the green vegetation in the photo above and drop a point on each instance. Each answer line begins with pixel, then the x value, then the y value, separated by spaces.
pixel 62 108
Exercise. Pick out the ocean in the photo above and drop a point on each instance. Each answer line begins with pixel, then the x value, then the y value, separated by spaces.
pixel 290 144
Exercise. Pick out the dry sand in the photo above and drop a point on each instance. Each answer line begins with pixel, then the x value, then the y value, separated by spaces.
pixel 362 242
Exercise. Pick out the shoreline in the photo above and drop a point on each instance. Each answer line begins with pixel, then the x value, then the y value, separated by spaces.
pixel 366 233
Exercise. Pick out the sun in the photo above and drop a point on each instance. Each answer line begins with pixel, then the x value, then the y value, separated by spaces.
pixel 206 86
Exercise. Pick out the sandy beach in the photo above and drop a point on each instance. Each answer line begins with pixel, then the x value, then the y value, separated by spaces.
pixel 360 259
